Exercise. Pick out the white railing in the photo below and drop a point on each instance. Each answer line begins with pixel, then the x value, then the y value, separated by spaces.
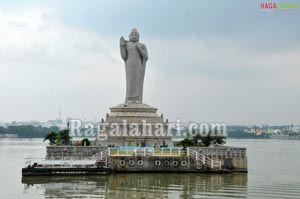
pixel 105 153
pixel 145 151
pixel 101 155
pixel 61 163
pixel 91 161
pixel 168 152
pixel 203 159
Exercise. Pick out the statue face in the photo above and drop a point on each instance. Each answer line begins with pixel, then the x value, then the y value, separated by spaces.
pixel 134 36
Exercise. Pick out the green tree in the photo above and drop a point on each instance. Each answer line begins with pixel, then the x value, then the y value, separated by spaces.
pixel 64 137
pixel 85 142
pixel 209 139
pixel 61 137
pixel 186 142
pixel 52 137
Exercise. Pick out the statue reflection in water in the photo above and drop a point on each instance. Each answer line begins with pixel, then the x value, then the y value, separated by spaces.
pixel 154 185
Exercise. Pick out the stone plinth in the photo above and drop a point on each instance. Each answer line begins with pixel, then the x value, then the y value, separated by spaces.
pixel 133 113
pixel 128 115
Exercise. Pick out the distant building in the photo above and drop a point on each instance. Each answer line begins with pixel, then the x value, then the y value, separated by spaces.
pixel 4 124
pixel 259 131
pixel 8 136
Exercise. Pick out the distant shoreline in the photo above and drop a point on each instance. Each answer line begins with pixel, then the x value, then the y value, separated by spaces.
pixel 233 132
pixel 228 138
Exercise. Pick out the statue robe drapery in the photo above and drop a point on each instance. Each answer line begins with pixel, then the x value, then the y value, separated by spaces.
pixel 135 66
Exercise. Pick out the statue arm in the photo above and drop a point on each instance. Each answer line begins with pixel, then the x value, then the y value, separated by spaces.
pixel 123 52
pixel 123 49
pixel 143 50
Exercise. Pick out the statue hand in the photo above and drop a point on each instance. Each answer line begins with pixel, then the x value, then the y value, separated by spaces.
pixel 122 41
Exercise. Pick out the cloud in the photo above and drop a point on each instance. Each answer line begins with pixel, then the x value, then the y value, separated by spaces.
pixel 44 60
pixel 224 81
pixel 198 69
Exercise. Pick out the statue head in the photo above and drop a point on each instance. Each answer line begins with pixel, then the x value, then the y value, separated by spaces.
pixel 134 35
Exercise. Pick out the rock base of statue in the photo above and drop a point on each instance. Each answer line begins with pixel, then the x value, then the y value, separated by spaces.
pixel 133 124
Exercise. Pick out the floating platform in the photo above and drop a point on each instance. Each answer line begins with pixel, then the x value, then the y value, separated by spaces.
pixel 138 159
pixel 64 171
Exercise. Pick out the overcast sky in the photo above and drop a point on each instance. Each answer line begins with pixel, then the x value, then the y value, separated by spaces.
pixel 212 61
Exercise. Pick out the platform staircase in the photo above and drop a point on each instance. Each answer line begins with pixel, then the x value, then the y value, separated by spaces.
pixel 202 160
pixel 101 158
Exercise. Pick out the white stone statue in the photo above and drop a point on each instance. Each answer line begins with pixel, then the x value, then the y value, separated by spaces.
pixel 135 56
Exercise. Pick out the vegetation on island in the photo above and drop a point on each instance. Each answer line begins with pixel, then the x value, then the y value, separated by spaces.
pixel 63 138
pixel 85 142
pixel 202 140
pixel 60 138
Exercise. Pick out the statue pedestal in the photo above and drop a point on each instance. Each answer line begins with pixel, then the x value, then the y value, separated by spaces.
pixel 141 116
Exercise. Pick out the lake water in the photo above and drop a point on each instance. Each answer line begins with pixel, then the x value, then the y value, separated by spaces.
pixel 274 172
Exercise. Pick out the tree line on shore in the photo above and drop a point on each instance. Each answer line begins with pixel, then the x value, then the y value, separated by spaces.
pixel 28 131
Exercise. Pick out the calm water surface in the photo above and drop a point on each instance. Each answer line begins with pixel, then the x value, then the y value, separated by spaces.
pixel 274 172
